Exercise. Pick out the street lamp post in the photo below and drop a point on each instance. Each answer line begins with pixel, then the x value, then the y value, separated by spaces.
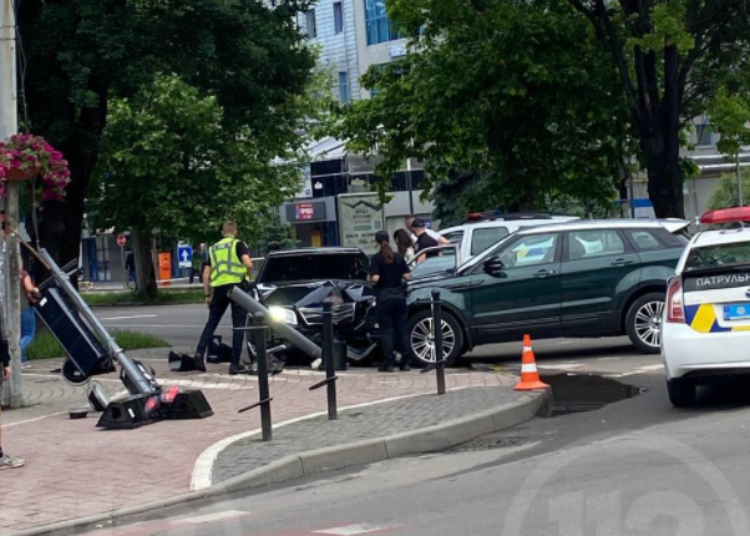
pixel 10 257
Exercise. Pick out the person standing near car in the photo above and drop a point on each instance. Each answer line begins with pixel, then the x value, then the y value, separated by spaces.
pixel 229 266
pixel 424 240
pixel 408 222
pixel 404 244
pixel 388 270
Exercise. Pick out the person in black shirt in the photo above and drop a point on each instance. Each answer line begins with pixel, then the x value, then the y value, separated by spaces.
pixel 424 240
pixel 388 270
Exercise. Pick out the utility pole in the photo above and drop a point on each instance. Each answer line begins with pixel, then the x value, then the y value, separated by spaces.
pixel 11 291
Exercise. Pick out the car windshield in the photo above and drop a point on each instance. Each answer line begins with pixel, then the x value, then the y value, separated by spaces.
pixel 717 256
pixel 314 267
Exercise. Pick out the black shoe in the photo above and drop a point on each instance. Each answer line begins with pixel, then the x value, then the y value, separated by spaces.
pixel 405 368
pixel 200 364
pixel 233 371
pixel 387 369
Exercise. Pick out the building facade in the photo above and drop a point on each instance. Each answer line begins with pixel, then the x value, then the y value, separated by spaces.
pixel 352 36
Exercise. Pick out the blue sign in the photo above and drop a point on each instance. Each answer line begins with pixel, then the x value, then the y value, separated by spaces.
pixel 185 255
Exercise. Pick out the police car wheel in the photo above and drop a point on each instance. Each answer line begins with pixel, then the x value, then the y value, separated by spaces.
pixel 419 330
pixel 643 322
pixel 682 392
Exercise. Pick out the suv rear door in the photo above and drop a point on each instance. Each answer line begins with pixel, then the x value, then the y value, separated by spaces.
pixel 598 265
pixel 523 296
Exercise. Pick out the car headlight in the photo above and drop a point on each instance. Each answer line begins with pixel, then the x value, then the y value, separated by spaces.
pixel 282 314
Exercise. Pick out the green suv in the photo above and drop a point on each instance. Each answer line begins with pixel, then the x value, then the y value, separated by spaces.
pixel 579 279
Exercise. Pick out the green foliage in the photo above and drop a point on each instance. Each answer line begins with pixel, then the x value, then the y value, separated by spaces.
pixel 727 195
pixel 169 163
pixel 164 297
pixel 518 93
pixel 729 114
pixel 275 236
pixel 45 346
pixel 82 55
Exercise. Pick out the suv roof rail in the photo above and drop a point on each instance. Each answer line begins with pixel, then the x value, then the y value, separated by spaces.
pixel 497 215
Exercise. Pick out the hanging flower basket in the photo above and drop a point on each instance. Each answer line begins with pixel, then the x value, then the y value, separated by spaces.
pixel 26 157
pixel 22 175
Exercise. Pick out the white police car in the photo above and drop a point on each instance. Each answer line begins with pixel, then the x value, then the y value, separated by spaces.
pixel 706 327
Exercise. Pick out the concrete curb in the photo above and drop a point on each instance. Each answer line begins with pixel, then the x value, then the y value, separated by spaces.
pixel 430 439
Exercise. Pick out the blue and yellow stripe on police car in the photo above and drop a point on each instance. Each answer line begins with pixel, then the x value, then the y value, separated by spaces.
pixel 702 318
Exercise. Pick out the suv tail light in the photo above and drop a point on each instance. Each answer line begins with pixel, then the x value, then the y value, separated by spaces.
pixel 675 305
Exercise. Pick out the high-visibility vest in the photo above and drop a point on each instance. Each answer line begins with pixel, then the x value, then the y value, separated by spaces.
pixel 226 267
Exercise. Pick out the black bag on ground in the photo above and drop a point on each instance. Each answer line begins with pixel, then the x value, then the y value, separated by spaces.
pixel 181 362
pixel 219 352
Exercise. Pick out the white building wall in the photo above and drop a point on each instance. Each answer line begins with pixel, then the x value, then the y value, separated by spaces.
pixel 338 51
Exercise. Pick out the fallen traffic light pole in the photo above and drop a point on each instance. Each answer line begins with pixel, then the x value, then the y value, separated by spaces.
pixel 91 349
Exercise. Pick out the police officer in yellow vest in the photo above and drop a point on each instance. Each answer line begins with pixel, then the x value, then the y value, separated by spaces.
pixel 229 266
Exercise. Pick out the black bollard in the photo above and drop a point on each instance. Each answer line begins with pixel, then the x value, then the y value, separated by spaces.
pixel 437 337
pixel 329 361
pixel 265 394
pixel 259 329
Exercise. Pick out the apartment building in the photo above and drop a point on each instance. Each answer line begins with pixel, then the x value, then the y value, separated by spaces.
pixel 352 35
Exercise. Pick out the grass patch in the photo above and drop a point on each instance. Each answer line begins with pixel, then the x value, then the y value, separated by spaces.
pixel 163 297
pixel 45 346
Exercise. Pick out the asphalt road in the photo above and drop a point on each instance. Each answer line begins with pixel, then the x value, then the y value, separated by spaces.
pixel 635 467
pixel 181 326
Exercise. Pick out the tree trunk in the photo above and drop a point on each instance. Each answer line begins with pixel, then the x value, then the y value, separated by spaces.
pixel 145 273
pixel 664 178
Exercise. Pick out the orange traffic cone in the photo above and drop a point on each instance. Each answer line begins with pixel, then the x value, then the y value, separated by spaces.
pixel 529 375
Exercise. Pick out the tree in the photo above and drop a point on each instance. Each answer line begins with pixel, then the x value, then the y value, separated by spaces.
pixel 168 162
pixel 81 54
pixel 671 56
pixel 518 95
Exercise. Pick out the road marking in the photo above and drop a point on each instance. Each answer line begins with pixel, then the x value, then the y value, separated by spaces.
pixel 643 370
pixel 129 317
pixel 562 366
pixel 218 516
pixel 353 530
pixel 35 419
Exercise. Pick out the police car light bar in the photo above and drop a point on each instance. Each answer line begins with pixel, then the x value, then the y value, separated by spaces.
pixel 727 215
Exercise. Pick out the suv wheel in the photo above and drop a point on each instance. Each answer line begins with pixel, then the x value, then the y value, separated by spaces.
pixel 643 322
pixel 419 330
pixel 681 392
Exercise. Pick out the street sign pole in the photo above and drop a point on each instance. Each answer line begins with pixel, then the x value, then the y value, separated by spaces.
pixel 11 250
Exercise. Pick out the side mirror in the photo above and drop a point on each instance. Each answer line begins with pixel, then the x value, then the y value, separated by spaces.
pixel 493 266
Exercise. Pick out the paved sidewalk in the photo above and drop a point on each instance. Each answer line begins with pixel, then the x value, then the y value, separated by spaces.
pixel 75 470
pixel 358 424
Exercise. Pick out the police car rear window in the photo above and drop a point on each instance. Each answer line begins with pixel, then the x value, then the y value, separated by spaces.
pixel 721 255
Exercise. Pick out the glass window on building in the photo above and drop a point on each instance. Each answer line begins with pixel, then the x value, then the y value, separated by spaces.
pixel 378 26
pixel 705 135
pixel 344 87
pixel 338 17
pixel 311 27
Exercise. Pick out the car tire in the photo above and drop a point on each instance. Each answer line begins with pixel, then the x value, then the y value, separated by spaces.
pixel 453 338
pixel 682 392
pixel 643 322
